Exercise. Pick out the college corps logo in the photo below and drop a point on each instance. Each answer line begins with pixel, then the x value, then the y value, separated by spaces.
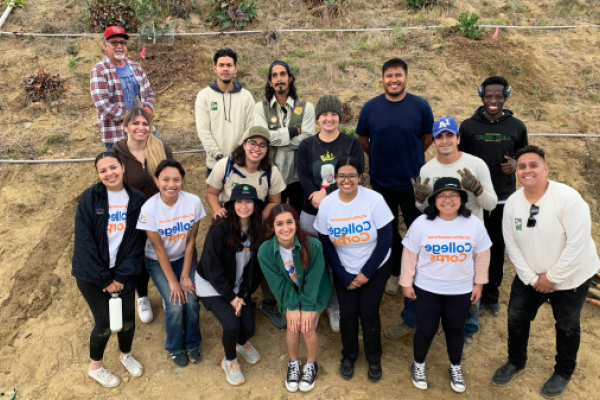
pixel 213 105
pixel 143 218
pixel 518 224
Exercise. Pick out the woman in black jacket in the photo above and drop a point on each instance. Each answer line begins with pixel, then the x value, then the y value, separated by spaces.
pixel 108 257
pixel 229 273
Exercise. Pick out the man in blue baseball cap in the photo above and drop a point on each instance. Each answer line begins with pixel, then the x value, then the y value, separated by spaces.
pixel 474 176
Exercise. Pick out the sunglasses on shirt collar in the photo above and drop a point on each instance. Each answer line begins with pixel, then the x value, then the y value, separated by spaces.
pixel 533 211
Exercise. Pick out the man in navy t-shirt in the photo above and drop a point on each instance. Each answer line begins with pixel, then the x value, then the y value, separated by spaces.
pixel 394 129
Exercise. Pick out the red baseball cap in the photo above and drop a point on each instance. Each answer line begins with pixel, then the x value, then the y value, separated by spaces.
pixel 114 31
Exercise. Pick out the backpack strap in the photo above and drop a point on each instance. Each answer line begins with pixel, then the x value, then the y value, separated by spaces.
pixel 231 168
pixel 268 176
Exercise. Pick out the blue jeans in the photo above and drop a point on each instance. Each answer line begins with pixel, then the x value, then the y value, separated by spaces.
pixel 182 323
pixel 410 318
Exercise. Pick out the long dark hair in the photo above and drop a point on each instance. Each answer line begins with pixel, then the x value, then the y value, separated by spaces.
pixel 239 157
pixel 234 239
pixel 301 234
pixel 431 211
pixel 270 92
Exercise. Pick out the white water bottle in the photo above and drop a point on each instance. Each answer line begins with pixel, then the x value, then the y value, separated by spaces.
pixel 115 312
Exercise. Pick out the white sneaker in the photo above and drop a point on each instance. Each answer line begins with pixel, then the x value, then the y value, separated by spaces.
pixel 145 310
pixel 292 380
pixel 104 377
pixel 132 365
pixel 249 353
pixel 233 373
pixel 419 378
pixel 334 318
pixel 457 379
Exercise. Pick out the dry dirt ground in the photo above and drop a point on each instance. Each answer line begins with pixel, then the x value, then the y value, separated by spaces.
pixel 44 321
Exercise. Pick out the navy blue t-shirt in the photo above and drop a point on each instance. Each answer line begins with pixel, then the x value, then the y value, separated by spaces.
pixel 396 132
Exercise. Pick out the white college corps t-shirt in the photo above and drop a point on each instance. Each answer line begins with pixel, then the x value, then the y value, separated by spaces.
pixel 352 227
pixel 288 262
pixel 117 222
pixel 172 223
pixel 445 249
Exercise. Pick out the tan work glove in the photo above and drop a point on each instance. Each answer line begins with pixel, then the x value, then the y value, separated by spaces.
pixel 422 190
pixel 470 182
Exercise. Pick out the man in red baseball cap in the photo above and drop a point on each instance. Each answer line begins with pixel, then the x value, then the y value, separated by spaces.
pixel 115 82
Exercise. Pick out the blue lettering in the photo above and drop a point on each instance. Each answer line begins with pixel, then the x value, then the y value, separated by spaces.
pixel 428 248
pixel 460 248
pixel 436 249
pixel 367 225
pixel 344 231
pixel 444 249
pixel 168 232
pixel 468 247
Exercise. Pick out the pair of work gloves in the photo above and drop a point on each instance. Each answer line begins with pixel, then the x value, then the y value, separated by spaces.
pixel 467 181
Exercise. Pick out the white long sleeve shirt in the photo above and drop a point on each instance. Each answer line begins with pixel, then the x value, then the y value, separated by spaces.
pixel 486 200
pixel 559 245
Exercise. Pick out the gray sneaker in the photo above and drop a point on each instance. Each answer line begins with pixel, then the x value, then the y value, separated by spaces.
pixel 467 348
pixel 276 318
pixel 233 373
pixel 249 353
pixel 398 330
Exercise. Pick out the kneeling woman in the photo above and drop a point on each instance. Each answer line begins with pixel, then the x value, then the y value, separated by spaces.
pixel 229 273
pixel 444 266
pixel 108 257
pixel 170 219
pixel 354 225
pixel 292 262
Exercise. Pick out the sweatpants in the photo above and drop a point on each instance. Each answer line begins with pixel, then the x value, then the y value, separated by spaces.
pixel 363 302
pixel 453 310
pixel 236 330
pixel 98 302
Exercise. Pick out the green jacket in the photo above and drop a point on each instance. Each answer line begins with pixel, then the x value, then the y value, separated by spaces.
pixel 314 288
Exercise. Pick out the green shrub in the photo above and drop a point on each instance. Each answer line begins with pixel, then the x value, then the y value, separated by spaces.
pixel 420 3
pixel 231 14
pixel 469 26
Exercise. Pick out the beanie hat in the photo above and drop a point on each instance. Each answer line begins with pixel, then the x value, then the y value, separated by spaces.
pixel 327 103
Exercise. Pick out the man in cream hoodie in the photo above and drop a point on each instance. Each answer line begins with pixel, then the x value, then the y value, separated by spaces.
pixel 224 110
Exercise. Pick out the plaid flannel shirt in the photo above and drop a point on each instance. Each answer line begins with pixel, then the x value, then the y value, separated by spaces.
pixel 107 95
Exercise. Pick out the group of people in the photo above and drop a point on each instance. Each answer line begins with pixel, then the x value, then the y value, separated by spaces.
pixel 290 215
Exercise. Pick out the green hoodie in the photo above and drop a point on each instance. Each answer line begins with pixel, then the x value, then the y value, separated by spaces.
pixel 314 288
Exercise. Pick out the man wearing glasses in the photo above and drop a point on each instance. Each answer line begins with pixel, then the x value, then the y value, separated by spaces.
pixel 115 82
pixel 548 234
pixel 474 177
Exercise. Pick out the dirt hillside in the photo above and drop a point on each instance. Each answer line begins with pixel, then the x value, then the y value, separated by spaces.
pixel 44 321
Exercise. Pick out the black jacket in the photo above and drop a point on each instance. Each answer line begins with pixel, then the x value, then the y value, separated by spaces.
pixel 91 257
pixel 218 266
pixel 491 141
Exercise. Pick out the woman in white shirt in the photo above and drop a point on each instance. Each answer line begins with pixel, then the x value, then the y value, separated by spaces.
pixel 354 226
pixel 444 266
pixel 170 219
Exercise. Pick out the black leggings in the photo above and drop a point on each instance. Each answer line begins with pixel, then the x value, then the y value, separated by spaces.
pixel 453 310
pixel 98 302
pixel 363 302
pixel 142 283
pixel 236 330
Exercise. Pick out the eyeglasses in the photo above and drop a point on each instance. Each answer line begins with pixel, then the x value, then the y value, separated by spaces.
pixel 254 143
pixel 451 197
pixel 533 211
pixel 342 177
pixel 115 43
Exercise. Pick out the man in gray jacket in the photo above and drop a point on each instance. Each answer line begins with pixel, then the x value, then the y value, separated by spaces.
pixel 289 120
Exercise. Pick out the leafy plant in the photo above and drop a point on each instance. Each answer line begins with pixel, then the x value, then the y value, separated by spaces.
pixel 420 3
pixel 231 14
pixel 42 86
pixel 469 26
pixel 72 49
pixel 128 14
pixel 16 3
pixel 348 131
pixel 515 69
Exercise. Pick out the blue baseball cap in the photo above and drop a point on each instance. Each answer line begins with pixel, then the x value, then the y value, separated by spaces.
pixel 445 124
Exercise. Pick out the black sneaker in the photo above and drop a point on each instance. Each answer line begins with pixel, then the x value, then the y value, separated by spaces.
pixel 309 376
pixel 347 368
pixel 195 355
pixel 293 376
pixel 493 308
pixel 276 318
pixel 180 359
pixel 374 373
pixel 555 385
pixel 506 373
pixel 457 379
pixel 419 378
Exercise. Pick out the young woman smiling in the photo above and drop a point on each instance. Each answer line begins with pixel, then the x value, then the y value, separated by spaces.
pixel 249 164
pixel 317 156
pixel 108 256
pixel 354 225
pixel 141 153
pixel 229 273
pixel 292 262
pixel 170 219
pixel 444 266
